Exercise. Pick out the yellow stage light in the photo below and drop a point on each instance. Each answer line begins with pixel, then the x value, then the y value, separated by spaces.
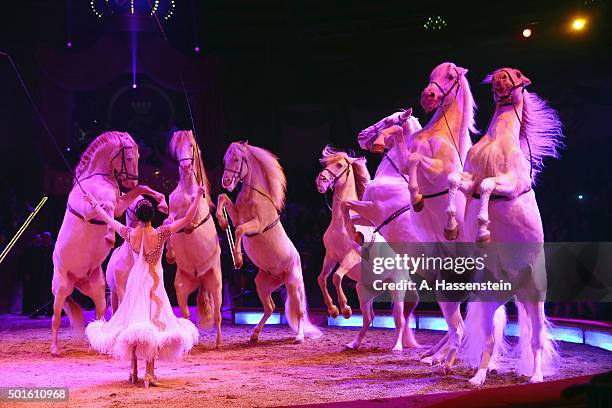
pixel 578 24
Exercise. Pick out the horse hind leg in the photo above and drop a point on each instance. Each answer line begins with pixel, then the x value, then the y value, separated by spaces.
pixel 212 281
pixel 368 316
pixel 265 287
pixel 62 289
pixel 184 285
pixel 328 265
pixel 451 229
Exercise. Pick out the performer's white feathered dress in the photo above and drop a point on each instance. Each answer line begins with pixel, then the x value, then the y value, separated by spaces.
pixel 144 319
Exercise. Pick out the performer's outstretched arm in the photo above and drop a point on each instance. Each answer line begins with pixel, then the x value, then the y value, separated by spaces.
pixel 183 222
pixel 114 224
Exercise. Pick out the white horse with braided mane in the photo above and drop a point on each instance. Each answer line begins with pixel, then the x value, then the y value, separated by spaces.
pixel 256 216
pixel 195 248
pixel 498 176
pixel 107 164
pixel 347 177
pixel 385 205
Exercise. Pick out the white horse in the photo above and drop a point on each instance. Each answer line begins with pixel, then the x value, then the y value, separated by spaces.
pixel 386 203
pixel 498 177
pixel 256 216
pixel 83 242
pixel 195 248
pixel 429 156
pixel 348 178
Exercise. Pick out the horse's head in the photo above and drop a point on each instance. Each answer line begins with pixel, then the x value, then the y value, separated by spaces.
pixel 443 86
pixel 508 85
pixel 235 165
pixel 124 161
pixel 374 139
pixel 184 150
pixel 336 168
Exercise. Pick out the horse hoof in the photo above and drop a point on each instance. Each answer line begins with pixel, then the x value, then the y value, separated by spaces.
pixel 451 234
pixel 483 241
pixel 427 360
pixel 254 339
pixel 378 148
pixel 538 378
pixel 55 351
pixel 419 205
pixel 347 312
pixel 398 348
pixel 170 259
pixel 351 346
pixel 238 261
pixel 358 238
pixel 333 312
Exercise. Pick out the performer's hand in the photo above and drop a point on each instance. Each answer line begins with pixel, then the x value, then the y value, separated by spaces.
pixel 90 199
pixel 200 191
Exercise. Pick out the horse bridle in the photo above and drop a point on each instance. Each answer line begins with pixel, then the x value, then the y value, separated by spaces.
pixel 377 131
pixel 507 97
pixel 514 86
pixel 237 175
pixel 456 84
pixel 123 174
pixel 335 177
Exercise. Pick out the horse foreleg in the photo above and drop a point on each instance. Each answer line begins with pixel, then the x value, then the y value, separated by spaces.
pixel 350 260
pixel 184 284
pixel 486 188
pixel 535 312
pixel 362 208
pixel 367 312
pixel 265 286
pixel 328 266
pixel 250 227
pixel 224 202
pixel 456 181
pixel 416 198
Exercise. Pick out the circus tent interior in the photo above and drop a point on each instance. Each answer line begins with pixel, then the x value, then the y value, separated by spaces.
pixel 305 203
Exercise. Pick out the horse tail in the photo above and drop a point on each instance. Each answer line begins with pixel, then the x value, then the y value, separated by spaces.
pixel 205 309
pixel 475 340
pixel 293 311
pixel 75 316
pixel 550 355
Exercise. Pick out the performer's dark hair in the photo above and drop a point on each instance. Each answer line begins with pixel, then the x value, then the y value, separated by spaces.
pixel 145 211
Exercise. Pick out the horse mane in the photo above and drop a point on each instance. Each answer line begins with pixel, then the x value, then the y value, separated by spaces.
pixel 100 143
pixel 201 177
pixel 272 172
pixel 541 132
pixel 468 121
pixel 358 165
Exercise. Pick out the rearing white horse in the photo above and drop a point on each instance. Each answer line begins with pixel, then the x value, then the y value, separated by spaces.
pixel 428 158
pixel 256 216
pixel 386 203
pixel 83 242
pixel 195 248
pixel 499 173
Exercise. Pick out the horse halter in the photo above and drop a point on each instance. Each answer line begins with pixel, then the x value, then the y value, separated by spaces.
pixel 507 98
pixel 446 93
pixel 397 122
pixel 237 174
pixel 335 177
pixel 123 174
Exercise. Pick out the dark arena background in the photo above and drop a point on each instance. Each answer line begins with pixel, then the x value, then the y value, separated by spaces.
pixel 289 76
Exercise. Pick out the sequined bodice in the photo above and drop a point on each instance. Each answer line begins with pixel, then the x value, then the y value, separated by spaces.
pixel 154 255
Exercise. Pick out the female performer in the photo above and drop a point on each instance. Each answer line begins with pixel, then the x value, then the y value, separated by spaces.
pixel 144 326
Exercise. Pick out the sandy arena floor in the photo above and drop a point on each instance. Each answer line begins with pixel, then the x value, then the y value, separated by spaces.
pixel 275 372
